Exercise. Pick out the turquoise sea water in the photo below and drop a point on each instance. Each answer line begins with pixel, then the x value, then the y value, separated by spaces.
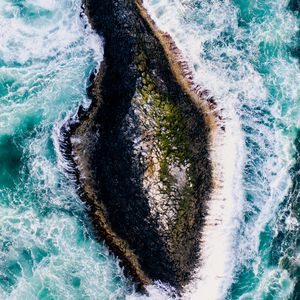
pixel 46 248
pixel 243 52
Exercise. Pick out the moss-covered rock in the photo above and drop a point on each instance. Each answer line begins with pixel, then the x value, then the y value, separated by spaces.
pixel 145 152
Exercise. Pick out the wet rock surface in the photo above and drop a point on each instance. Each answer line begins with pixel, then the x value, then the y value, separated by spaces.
pixel 141 152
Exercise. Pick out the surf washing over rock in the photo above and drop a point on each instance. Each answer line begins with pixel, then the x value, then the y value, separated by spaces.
pixel 245 58
pixel 242 57
pixel 142 150
pixel 47 53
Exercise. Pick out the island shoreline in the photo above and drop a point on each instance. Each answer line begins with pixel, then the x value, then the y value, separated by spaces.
pixel 81 124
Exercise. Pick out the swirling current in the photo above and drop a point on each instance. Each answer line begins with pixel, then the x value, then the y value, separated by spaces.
pixel 246 54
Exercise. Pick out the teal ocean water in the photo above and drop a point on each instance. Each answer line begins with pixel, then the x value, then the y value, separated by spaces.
pixel 46 249
pixel 245 53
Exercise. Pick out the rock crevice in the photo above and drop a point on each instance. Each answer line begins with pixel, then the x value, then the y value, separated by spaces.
pixel 141 151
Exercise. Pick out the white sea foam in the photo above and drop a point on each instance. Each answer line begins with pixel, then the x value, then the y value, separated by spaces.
pixel 217 257
pixel 46 55
pixel 248 145
pixel 51 260
pixel 156 291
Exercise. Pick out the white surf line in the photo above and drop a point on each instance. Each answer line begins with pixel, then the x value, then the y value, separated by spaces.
pixel 214 274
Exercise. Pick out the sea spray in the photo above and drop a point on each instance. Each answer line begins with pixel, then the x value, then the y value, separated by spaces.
pixel 239 52
pixel 217 254
pixel 47 248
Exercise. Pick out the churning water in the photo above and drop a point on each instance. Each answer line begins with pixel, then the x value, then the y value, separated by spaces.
pixel 244 53
pixel 46 250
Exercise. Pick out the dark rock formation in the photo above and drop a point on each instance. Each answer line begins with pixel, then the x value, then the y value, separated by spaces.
pixel 141 151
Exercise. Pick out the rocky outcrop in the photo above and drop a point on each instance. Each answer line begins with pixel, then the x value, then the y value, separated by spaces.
pixel 141 152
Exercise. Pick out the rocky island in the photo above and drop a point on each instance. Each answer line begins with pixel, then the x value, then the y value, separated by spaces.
pixel 142 150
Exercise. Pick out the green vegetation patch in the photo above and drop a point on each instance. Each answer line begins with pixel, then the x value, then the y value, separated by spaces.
pixel 171 138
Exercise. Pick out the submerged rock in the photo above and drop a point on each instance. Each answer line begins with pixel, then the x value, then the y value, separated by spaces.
pixel 142 149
